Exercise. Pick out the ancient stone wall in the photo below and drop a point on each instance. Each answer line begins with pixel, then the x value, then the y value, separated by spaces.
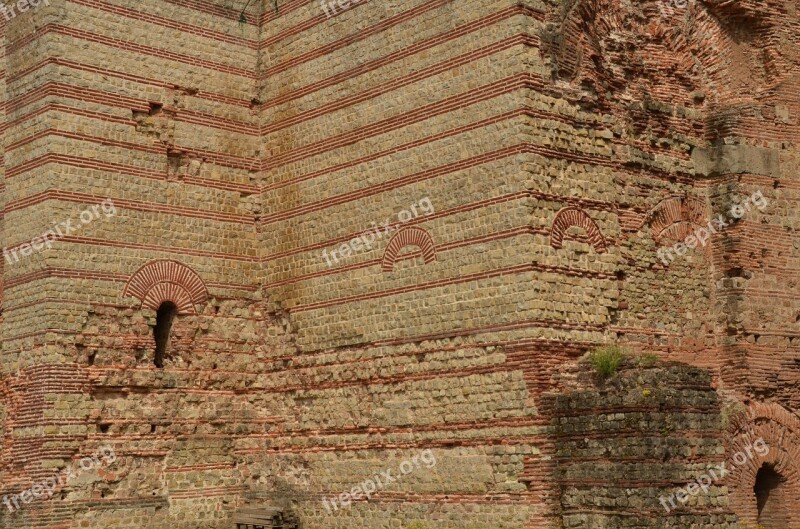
pixel 145 109
pixel 629 446
pixel 415 114
pixel 378 234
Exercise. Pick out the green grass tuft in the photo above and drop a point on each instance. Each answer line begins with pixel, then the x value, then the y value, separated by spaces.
pixel 607 359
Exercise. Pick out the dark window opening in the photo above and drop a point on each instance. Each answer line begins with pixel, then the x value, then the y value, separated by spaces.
pixel 165 316
pixel 770 491
pixel 767 480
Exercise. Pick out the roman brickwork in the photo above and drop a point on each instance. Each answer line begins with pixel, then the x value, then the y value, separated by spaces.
pixel 639 428
pixel 265 251
pixel 148 106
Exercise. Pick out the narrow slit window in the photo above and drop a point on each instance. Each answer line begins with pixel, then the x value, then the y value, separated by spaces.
pixel 165 316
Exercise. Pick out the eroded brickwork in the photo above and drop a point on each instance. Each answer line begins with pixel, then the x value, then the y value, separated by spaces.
pixel 655 428
pixel 563 148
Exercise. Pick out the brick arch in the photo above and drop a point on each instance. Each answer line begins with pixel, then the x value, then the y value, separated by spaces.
pixel 780 430
pixel 675 218
pixel 408 237
pixel 160 281
pixel 572 216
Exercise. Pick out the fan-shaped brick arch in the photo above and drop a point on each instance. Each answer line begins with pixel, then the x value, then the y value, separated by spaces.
pixel 572 216
pixel 780 430
pixel 675 218
pixel 160 281
pixel 408 237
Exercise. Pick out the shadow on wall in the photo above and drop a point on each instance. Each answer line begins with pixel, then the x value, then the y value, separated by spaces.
pixel 622 433
pixel 771 498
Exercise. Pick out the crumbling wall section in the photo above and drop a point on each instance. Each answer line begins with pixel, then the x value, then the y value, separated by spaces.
pixel 628 448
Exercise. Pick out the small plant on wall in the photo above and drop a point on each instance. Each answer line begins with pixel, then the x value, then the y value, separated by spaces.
pixel 607 359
